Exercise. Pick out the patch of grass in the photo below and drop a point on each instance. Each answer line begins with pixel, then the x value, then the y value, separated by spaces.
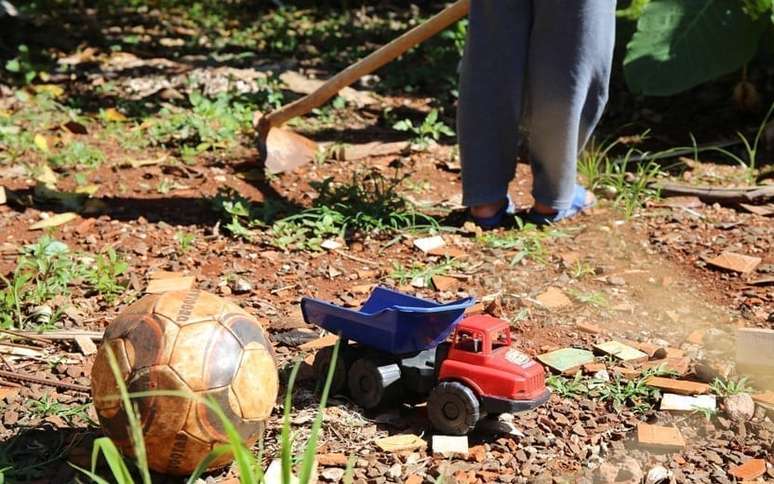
pixel 431 129
pixel 77 154
pixel 749 160
pixel 526 238
pixel 209 123
pixel 105 275
pixel 593 298
pixel 423 272
pixel 46 270
pixel 621 393
pixel 580 269
pixel 568 387
pixel 611 177
pixel 368 204
pixel 725 388
pixel 707 413
pixel 242 216
pixel 185 241
pixel 48 406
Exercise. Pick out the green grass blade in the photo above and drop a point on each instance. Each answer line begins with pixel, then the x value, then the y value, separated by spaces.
pixel 286 443
pixel 138 442
pixel 216 453
pixel 311 446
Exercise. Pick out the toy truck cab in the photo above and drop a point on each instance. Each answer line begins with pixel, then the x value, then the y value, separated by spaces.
pixel 396 347
pixel 482 374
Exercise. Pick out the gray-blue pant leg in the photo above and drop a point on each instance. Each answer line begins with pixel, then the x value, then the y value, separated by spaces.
pixel 555 57
pixel 568 73
pixel 491 94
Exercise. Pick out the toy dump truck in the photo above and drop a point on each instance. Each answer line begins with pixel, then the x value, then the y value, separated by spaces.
pixel 397 348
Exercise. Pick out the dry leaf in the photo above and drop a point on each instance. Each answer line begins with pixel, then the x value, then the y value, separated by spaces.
pixel 41 143
pixel 54 221
pixel 113 114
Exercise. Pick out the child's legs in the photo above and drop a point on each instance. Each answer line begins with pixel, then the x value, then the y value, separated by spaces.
pixel 491 93
pixel 571 51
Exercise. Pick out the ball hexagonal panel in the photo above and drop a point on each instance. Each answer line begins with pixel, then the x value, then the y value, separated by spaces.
pixel 178 454
pixel 150 341
pixel 246 329
pixel 204 423
pixel 206 355
pixel 256 384
pixel 103 382
pixel 162 416
pixel 189 307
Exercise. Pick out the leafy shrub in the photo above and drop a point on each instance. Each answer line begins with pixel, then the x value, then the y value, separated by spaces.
pixel 680 44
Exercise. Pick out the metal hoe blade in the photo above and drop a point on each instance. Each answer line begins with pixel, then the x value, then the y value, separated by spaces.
pixel 283 150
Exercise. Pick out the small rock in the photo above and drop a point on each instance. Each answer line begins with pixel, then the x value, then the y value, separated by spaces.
pixel 606 473
pixel 333 474
pixel 241 286
pixel 740 407
pixel 658 475
pixel 630 470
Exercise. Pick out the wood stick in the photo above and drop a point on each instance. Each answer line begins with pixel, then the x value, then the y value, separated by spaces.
pixel 719 195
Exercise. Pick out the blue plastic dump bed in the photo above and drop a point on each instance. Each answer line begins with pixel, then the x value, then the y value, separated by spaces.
pixel 389 321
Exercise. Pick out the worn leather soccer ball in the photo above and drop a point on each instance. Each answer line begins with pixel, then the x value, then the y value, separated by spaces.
pixel 188 341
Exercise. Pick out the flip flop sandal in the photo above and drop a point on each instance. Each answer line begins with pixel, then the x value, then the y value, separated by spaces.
pixel 488 223
pixel 578 205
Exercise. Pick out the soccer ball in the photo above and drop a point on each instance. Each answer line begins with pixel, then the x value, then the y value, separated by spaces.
pixel 190 341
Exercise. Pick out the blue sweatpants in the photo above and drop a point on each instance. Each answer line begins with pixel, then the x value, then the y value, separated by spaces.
pixel 541 64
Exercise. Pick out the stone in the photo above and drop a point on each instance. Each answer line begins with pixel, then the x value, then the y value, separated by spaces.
pixel 683 403
pixel 554 298
pixel 450 445
pixel 333 474
pixel 444 283
pixel 739 407
pixel 241 286
pixel 630 471
pixel 683 387
pixel 566 360
pixel 429 243
pixel 622 351
pixel 658 475
pixel 606 473
pixel 659 437
pixel 752 469
pixel 85 344
pixel 735 262
pixel 159 286
pixel 332 459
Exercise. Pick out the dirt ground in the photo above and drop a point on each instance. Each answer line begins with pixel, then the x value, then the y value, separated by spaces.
pixel 641 277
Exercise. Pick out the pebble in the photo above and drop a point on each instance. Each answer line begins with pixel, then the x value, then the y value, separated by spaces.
pixel 740 407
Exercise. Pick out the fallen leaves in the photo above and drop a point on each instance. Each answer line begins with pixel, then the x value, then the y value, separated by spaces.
pixel 54 221
pixel 403 442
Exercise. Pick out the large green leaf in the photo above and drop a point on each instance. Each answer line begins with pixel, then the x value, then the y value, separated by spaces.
pixel 682 43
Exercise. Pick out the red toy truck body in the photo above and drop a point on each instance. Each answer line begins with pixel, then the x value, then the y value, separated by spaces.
pixel 402 351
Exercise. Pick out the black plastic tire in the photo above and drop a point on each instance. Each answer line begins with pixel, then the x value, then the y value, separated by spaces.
pixel 453 408
pixel 370 382
pixel 320 366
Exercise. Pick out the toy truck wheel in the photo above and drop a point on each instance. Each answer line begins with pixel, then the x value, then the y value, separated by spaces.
pixel 322 361
pixel 453 408
pixel 370 382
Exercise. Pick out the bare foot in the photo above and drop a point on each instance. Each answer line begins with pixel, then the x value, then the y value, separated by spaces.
pixel 487 210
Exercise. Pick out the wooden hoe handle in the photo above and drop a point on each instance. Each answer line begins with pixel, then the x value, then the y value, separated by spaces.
pixel 369 64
